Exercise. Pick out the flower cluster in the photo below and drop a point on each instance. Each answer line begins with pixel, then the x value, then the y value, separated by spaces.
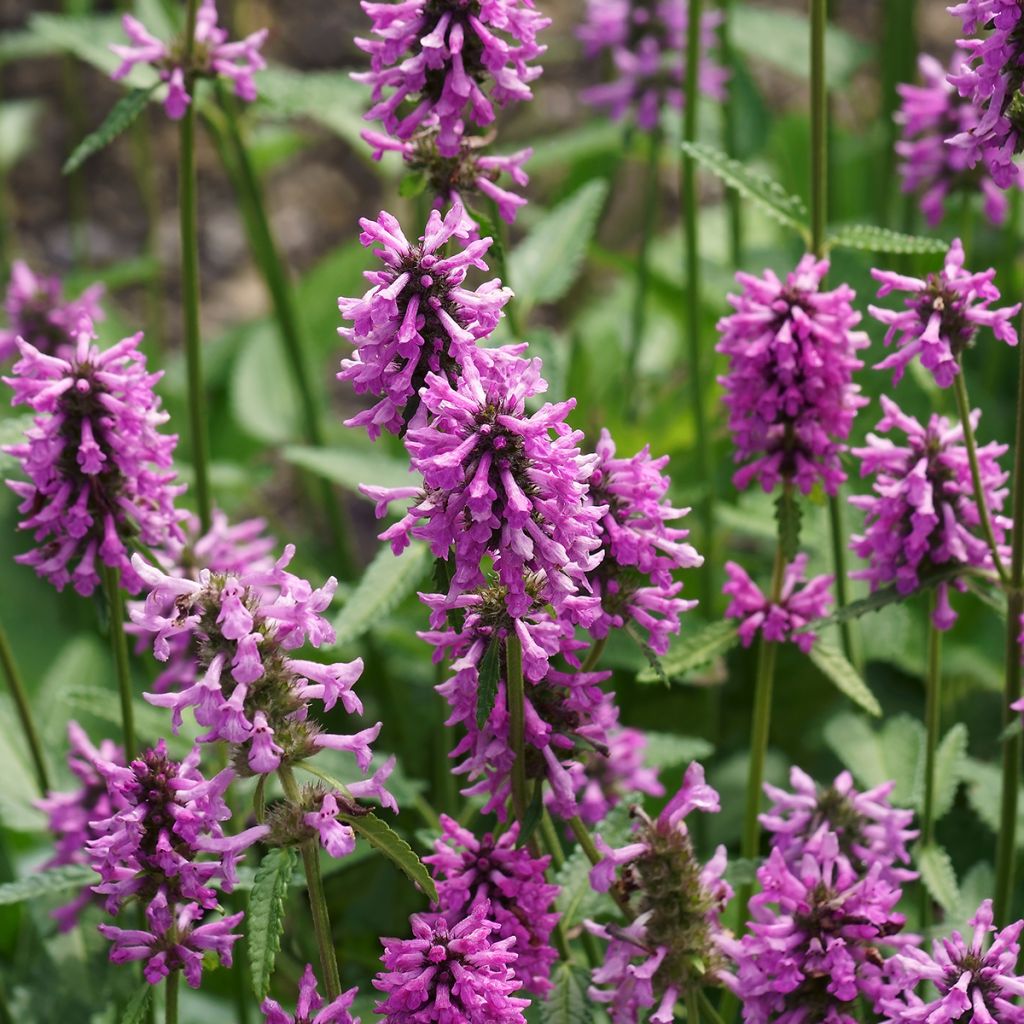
pixel 494 872
pixel 310 1008
pixel 922 516
pixel 647 44
pixel 786 619
pixel 39 314
pixel 943 313
pixel 929 114
pixel 209 55
pixel 640 550
pixel 443 64
pixel 153 849
pixel 991 79
pixel 417 319
pixel 99 471
pixel 789 390
pixel 671 945
pixel 450 973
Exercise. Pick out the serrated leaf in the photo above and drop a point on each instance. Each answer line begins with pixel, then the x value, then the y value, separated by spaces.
pixel 869 238
pixel 68 878
pixel 383 838
pixel 135 1011
pixel 123 113
pixel 787 209
pixel 788 517
pixel 667 750
pixel 984 789
pixel 487 687
pixel 950 768
pixel 833 664
pixel 938 876
pixel 388 580
pixel 544 265
pixel 350 468
pixel 264 401
pixel 653 661
pixel 265 917
pixel 567 1002
pixel 694 651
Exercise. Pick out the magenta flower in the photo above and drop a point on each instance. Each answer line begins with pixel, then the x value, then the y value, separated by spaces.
pixel 921 516
pixel 965 982
pixel 929 115
pixel 455 180
pixel 782 621
pixel 868 828
pixel 811 949
pixel 447 66
pixel 670 946
pixel 502 482
pixel 496 872
pixel 639 546
pixel 789 389
pixel 942 316
pixel 212 56
pixel 450 973
pixel 99 471
pixel 989 77
pixel 416 319
pixel 39 314
pixel 310 1008
pixel 647 45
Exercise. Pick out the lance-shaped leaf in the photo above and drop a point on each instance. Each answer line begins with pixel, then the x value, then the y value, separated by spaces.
pixel 487 687
pixel 694 651
pixel 122 114
pixel 938 876
pixel 68 878
pixel 834 666
pixel 265 918
pixel 869 238
pixel 567 1002
pixel 383 838
pixel 135 1011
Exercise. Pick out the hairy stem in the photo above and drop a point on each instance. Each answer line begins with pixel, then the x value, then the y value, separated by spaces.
pixel 516 695
pixel 24 709
pixel 171 997
pixel 119 647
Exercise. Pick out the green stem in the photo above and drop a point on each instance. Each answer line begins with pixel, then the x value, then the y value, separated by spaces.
pixel 317 900
pixel 693 1004
pixel 24 710
pixel 593 854
pixel 499 251
pixel 594 654
pixel 1006 851
pixel 819 127
pixel 848 632
pixel 119 647
pixel 551 840
pixel 733 200
pixel 933 724
pixel 963 407
pixel 171 997
pixel 516 693
pixel 190 287
pixel 691 254
pixel 638 322
pixel 275 276
pixel 709 1008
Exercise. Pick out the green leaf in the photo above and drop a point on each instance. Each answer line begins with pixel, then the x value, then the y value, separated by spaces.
pixel 544 265
pixel 19 130
pixel 24 44
pixel 12 431
pixel 388 580
pixel 88 37
pixel 383 838
pixel 875 239
pixel 263 398
pixel 938 876
pixel 950 768
pixel 788 210
pixel 487 688
pixel 833 664
pixel 412 184
pixel 984 789
pixel 265 918
pixel 68 878
pixel 788 516
pixel 350 468
pixel 892 753
pixel 123 113
pixel 667 750
pixel 135 1011
pixel 567 1002
pixel 694 651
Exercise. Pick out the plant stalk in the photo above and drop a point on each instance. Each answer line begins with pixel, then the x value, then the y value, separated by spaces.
pixel 516 694
pixel 119 648
pixel 24 710
pixel 317 900
pixel 733 200
pixel 171 997
pixel 933 724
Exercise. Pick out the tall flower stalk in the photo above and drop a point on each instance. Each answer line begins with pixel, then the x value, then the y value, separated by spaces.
pixel 24 709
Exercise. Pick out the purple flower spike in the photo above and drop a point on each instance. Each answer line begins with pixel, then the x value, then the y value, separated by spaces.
pixel 789 390
pixel 929 115
pixel 99 470
pixel 638 542
pixel 942 316
pixel 811 950
pixel 39 314
pixel 450 973
pixel 647 44
pixel 963 981
pixel 310 1008
pixel 782 621
pixel 445 65
pixel 212 56
pixel 417 318
pixel 921 516
pixel 989 77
